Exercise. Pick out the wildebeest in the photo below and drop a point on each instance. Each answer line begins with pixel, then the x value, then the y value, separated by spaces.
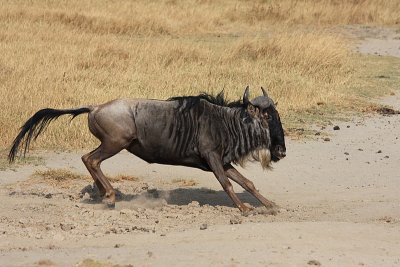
pixel 203 131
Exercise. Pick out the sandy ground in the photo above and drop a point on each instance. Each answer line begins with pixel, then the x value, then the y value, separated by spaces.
pixel 339 206
pixel 376 40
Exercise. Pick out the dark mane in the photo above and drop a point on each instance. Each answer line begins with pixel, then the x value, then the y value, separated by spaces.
pixel 243 139
pixel 218 100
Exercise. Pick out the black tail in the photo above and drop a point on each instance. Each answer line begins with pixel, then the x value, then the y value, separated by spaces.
pixel 37 123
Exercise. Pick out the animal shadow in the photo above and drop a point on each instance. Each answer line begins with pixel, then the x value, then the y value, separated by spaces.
pixel 179 196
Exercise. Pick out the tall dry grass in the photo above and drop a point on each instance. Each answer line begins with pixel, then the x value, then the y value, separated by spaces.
pixel 323 12
pixel 65 54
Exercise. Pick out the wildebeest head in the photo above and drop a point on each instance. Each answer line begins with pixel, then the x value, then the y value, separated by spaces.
pixel 264 108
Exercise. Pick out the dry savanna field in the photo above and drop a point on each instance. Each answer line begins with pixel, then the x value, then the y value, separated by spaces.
pixel 65 54
pixel 337 192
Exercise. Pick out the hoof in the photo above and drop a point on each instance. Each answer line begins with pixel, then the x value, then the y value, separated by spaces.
pixel 246 210
pixel 269 210
pixel 245 213
pixel 272 206
pixel 272 211
pixel 109 202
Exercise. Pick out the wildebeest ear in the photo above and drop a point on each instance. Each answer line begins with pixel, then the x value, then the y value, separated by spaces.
pixel 252 110
pixel 246 96
pixel 264 92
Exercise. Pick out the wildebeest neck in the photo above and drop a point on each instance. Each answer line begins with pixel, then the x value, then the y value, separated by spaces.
pixel 234 135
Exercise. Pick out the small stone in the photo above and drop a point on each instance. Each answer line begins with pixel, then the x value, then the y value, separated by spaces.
pixel 66 226
pixel 327 139
pixel 85 196
pixel 45 262
pixel 125 212
pixel 235 220
pixel 360 149
pixel 336 128
pixel 386 157
pixel 346 153
pixel 314 262
pixel 348 126
pixel 379 151
pixel 194 204
pixel 318 133
pixel 203 226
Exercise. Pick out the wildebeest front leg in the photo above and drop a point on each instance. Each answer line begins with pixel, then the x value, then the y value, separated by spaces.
pixel 248 185
pixel 216 166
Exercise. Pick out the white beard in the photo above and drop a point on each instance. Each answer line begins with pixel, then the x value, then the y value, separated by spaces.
pixel 261 155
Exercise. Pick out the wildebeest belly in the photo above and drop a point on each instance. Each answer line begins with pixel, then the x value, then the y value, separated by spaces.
pixel 157 153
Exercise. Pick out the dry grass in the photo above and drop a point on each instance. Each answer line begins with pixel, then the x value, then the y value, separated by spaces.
pixel 122 177
pixel 64 175
pixel 60 175
pixel 69 53
pixel 93 263
pixel 322 12
pixel 28 160
pixel 184 182
pixel 46 262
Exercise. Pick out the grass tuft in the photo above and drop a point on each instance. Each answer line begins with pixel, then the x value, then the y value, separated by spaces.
pixel 93 263
pixel 60 175
pixel 65 175
pixel 184 182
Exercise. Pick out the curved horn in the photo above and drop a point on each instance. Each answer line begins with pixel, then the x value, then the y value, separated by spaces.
pixel 246 96
pixel 264 92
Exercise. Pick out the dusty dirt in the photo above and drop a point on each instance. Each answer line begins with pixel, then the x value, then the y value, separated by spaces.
pixel 376 40
pixel 339 206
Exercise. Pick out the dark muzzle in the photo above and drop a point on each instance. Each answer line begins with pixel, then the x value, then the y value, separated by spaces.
pixel 278 152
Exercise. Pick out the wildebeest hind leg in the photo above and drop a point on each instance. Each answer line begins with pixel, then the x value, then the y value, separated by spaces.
pixel 85 159
pixel 92 162
pixel 218 170
pixel 248 185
